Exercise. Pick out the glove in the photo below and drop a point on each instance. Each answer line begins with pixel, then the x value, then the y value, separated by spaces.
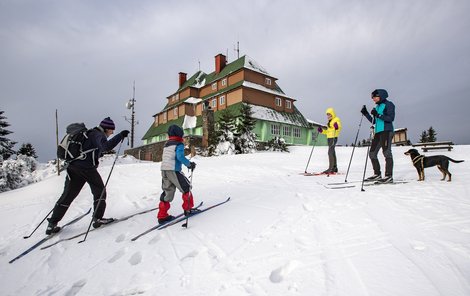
pixel 124 133
pixel 319 129
pixel 336 126
pixel 192 165
pixel 374 113
pixel 364 110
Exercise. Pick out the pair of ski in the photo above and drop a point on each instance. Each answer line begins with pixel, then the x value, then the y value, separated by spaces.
pixel 180 218
pixel 350 184
pixel 320 174
pixel 48 237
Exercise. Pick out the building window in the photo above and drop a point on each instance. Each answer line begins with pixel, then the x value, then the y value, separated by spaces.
pixel 214 103
pixel 286 131
pixel 275 129
pixel 156 120
pixel 175 111
pixel 214 86
pixel 177 96
pixel 288 104
pixel 224 82
pixel 222 100
pixel 297 132
pixel 173 98
pixel 268 81
pixel 164 116
pixel 278 102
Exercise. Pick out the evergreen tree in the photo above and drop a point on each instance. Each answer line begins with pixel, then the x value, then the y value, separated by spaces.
pixel 6 145
pixel 277 144
pixel 28 150
pixel 431 135
pixel 424 137
pixel 245 141
pixel 225 133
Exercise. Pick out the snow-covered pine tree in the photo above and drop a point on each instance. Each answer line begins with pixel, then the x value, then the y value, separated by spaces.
pixel 245 141
pixel 6 145
pixel 277 144
pixel 28 150
pixel 431 135
pixel 424 137
pixel 225 133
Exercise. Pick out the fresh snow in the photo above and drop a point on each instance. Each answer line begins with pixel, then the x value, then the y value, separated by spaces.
pixel 281 234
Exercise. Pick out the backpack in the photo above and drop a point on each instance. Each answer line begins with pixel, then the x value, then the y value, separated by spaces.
pixel 71 146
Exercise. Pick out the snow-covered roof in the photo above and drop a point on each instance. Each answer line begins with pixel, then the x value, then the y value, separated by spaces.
pixel 314 122
pixel 265 113
pixel 253 65
pixel 192 100
pixel 265 89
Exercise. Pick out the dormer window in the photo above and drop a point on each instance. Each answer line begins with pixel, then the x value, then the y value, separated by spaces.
pixel 224 82
pixel 288 104
pixel 214 86
pixel 175 111
pixel 268 81
pixel 278 102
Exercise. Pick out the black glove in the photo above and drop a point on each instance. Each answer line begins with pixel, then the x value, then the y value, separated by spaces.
pixel 364 110
pixel 192 165
pixel 374 113
pixel 124 133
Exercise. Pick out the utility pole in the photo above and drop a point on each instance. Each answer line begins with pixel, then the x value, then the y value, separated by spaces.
pixel 130 105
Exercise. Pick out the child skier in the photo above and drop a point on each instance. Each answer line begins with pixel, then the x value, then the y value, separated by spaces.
pixel 172 177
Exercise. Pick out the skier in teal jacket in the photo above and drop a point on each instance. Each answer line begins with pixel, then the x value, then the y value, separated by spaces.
pixel 382 117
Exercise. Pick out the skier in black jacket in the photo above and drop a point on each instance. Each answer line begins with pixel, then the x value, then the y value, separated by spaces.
pixel 83 171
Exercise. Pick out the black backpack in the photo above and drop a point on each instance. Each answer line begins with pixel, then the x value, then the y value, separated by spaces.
pixel 71 146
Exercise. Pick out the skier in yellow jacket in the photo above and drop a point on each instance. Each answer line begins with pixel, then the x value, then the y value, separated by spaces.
pixel 332 132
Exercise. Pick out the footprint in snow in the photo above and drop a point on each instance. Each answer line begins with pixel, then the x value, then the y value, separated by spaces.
pixel 136 258
pixel 120 238
pixel 279 274
pixel 117 256
pixel 76 287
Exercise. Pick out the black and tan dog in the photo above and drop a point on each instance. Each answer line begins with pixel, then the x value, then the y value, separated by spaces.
pixel 420 162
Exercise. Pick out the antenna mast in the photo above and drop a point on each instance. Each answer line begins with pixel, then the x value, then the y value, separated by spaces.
pixel 130 105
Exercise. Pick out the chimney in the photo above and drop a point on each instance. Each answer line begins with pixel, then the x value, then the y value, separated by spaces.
pixel 220 62
pixel 182 78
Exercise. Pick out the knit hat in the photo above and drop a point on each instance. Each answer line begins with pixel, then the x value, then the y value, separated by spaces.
pixel 382 93
pixel 107 123
pixel 175 130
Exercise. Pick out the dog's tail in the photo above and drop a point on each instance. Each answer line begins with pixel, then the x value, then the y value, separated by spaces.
pixel 453 160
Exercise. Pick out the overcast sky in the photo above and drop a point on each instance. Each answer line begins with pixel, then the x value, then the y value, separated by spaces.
pixel 81 58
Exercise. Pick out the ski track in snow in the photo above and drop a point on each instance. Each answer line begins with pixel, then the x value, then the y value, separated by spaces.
pixel 281 234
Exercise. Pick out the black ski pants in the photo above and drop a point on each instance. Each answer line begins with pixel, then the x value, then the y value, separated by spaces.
pixel 74 182
pixel 382 140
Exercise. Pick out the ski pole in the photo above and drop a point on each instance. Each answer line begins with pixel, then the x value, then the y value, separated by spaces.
pixel 367 156
pixel 102 193
pixel 189 197
pixel 354 147
pixel 313 147
pixel 28 236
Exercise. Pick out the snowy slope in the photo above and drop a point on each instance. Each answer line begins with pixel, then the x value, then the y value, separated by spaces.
pixel 281 234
